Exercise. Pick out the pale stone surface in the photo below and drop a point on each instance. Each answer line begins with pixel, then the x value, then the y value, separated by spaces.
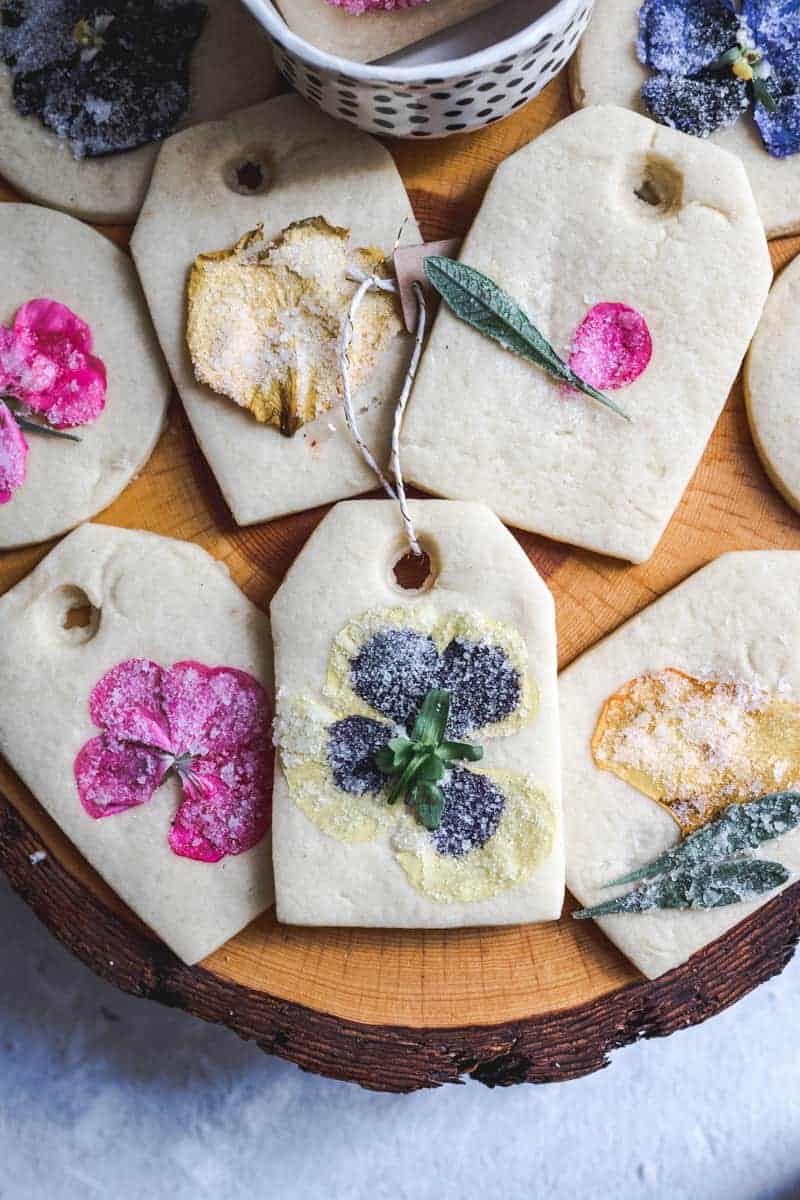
pixel 104 1095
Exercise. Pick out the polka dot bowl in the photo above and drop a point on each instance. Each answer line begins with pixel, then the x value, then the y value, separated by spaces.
pixel 434 100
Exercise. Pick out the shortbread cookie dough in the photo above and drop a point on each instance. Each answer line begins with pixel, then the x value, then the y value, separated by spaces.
pixel 606 70
pixel 365 36
pixel 309 166
pixel 360 661
pixel 606 208
pixel 772 385
pixel 145 732
pixel 47 255
pixel 231 67
pixel 692 706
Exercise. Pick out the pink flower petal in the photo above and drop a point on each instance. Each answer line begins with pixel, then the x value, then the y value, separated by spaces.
pixel 227 806
pixel 55 373
pixel 215 710
pixel 13 455
pixel 356 7
pixel 612 347
pixel 128 702
pixel 113 776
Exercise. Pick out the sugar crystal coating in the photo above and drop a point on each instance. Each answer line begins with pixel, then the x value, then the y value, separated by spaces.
pixel 208 725
pixel 352 745
pixel 105 76
pixel 472 811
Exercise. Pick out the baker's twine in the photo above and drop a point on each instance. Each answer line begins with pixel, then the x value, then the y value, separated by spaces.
pixel 368 283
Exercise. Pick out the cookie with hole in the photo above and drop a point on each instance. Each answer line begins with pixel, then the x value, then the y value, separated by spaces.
pixel 83 387
pixel 110 80
pixel 145 728
pixel 772 384
pixel 622 243
pixel 229 269
pixel 668 52
pixel 417 730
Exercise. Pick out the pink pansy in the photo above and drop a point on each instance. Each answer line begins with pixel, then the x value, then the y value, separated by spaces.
pixel 47 367
pixel 356 7
pixel 612 347
pixel 13 454
pixel 59 376
pixel 210 726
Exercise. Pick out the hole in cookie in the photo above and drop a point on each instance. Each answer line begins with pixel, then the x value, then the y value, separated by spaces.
pixel 249 173
pixel 661 186
pixel 72 613
pixel 415 572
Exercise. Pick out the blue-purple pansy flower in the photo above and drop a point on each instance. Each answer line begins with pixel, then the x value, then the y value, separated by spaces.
pixel 714 59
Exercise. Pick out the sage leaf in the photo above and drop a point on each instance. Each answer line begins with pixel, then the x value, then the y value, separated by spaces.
pixel 713 885
pixel 429 803
pixel 478 300
pixel 740 827
pixel 464 750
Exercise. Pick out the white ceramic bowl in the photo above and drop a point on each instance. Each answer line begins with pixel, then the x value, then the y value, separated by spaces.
pixel 436 99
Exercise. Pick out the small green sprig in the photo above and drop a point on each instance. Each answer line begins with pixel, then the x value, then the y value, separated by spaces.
pixel 28 426
pixel 418 763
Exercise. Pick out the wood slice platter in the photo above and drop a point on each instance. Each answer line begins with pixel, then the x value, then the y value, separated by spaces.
pixel 398 1010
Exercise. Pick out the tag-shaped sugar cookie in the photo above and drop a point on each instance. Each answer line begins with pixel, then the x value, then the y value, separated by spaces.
pixel 83 386
pixel 145 730
pixel 363 30
pixel 621 243
pixel 113 78
pixel 772 385
pixel 263 330
pixel 702 67
pixel 681 737
pixel 417 731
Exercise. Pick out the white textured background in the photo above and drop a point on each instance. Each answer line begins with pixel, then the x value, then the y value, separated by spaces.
pixel 105 1096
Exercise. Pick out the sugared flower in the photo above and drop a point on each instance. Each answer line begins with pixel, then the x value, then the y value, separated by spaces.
pixel 714 59
pixel 208 726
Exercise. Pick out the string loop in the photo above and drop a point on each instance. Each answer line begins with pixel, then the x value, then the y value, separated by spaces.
pixel 367 283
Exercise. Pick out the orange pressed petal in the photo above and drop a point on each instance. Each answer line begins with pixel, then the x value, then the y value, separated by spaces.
pixel 697 745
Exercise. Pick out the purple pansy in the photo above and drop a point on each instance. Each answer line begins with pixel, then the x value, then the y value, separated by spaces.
pixel 714 58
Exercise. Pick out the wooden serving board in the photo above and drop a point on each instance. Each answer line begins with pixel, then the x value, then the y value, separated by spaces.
pixel 399 1010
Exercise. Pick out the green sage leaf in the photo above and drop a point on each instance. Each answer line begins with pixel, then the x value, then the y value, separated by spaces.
pixel 714 885
pixel 740 827
pixel 478 300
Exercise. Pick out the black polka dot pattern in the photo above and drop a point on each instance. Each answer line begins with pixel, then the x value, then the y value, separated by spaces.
pixel 436 107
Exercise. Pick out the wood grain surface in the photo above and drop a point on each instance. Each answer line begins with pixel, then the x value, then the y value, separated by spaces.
pixel 397 1009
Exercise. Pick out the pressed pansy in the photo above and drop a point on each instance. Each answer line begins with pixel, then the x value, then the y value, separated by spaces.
pixel 713 59
pixel 410 694
pixel 47 370
pixel 207 726
pixel 105 76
